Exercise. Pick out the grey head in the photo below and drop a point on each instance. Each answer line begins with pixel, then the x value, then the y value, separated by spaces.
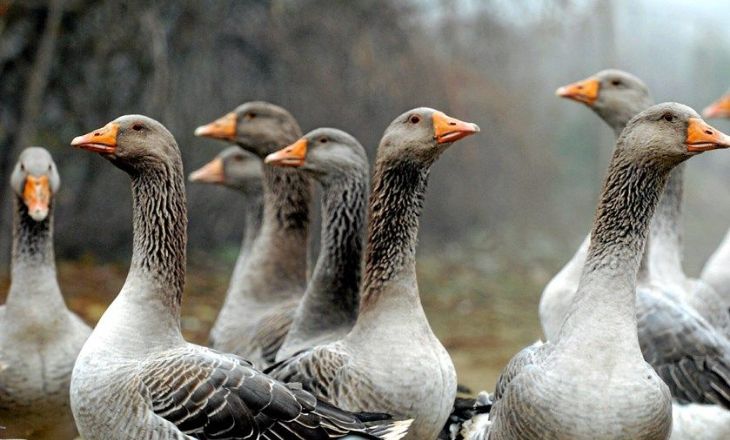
pixel 259 127
pixel 327 154
pixel 133 143
pixel 669 133
pixel 420 135
pixel 233 168
pixel 35 181
pixel 616 96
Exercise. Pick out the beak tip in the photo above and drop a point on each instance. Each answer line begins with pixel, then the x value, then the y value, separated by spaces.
pixel 200 131
pixel 476 128
pixel 560 91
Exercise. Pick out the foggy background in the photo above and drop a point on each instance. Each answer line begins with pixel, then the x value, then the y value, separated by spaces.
pixel 504 209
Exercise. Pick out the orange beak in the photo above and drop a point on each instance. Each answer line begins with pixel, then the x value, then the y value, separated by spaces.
pixel 447 129
pixel 702 137
pixel 222 128
pixel 37 197
pixel 103 140
pixel 212 172
pixel 291 156
pixel 585 91
pixel 718 109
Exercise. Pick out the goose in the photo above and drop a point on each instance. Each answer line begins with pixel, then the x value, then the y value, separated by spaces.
pixel 592 380
pixel 241 171
pixel 391 361
pixel 39 337
pixel 715 272
pixel 680 326
pixel 328 309
pixel 136 377
pixel 255 319
pixel 615 96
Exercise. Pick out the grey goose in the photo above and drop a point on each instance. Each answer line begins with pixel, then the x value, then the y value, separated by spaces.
pixel 592 380
pixel 329 307
pixel 256 317
pixel 39 337
pixel 716 271
pixel 391 361
pixel 681 325
pixel 241 171
pixel 136 377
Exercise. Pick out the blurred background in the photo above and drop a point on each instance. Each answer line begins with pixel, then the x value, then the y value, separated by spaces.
pixel 505 209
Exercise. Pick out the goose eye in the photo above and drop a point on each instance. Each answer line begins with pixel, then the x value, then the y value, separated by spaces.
pixel 248 116
pixel 50 167
pixel 22 167
pixel 323 140
pixel 238 158
pixel 616 82
pixel 415 119
pixel 668 117
pixel 137 127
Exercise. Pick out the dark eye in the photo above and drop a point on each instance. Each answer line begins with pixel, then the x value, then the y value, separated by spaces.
pixel 22 167
pixel 238 158
pixel 50 167
pixel 668 117
pixel 248 116
pixel 322 140
pixel 616 82
pixel 137 127
pixel 415 119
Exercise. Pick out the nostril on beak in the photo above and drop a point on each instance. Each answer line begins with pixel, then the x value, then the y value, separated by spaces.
pixel 708 131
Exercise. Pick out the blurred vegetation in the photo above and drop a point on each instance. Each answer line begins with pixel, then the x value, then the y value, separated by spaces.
pixel 505 209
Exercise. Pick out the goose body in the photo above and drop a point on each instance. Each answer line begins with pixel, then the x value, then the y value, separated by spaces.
pixel 39 337
pixel 136 377
pixel 391 361
pixel 592 380
pixel 255 319
pixel 328 310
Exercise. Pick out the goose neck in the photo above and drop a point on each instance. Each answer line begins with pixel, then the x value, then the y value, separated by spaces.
pixel 665 233
pixel 33 272
pixel 390 259
pixel 160 236
pixel 335 283
pixel 605 303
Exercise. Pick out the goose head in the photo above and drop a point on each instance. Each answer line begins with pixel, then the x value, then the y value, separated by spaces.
pixel 35 180
pixel 616 96
pixel 670 133
pixel 421 135
pixel 133 143
pixel 233 168
pixel 325 153
pixel 257 126
pixel 719 108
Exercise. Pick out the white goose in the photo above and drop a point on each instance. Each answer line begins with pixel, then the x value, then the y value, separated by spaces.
pixel 39 337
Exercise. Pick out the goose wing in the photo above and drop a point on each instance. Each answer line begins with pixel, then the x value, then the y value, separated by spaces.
pixel 210 395
pixel 687 352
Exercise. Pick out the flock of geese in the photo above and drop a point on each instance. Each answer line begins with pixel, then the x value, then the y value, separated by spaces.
pixel 634 348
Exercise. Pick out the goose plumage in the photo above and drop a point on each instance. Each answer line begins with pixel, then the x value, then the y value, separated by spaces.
pixel 255 319
pixel 329 307
pixel 136 376
pixel 39 337
pixel 592 380
pixel 391 361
